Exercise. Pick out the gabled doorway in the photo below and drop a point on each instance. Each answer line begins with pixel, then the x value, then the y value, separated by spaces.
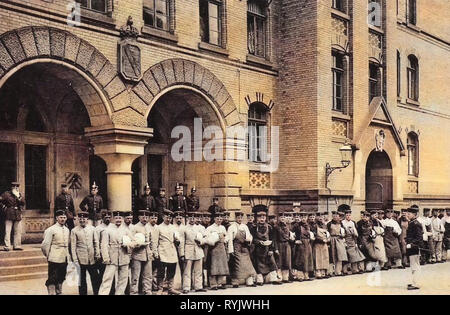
pixel 379 181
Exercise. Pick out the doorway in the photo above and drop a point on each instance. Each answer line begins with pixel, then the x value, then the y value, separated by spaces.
pixel 379 180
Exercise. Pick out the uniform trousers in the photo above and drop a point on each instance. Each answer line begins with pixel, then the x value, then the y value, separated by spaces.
pixel 16 227
pixel 166 270
pixel 56 273
pixel 414 262
pixel 95 279
pixel 138 269
pixel 437 250
pixel 193 269
pixel 108 277
pixel 155 265
pixel 215 281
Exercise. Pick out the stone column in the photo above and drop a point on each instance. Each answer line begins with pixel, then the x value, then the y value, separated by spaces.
pixel 119 146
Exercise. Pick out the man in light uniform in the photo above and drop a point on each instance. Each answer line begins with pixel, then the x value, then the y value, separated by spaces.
pixel 437 230
pixel 192 238
pixel 106 220
pixel 142 255
pixel 115 246
pixel 167 253
pixel 153 228
pixel 55 248
pixel 85 251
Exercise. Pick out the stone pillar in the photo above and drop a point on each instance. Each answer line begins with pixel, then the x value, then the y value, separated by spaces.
pixel 119 146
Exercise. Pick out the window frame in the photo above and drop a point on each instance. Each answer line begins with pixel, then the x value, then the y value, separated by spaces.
pixel 220 8
pixel 336 71
pixel 412 12
pixel 339 5
pixel 413 154
pixel 264 20
pixel 399 74
pixel 374 81
pixel 89 6
pixel 412 74
pixel 257 152
pixel 155 14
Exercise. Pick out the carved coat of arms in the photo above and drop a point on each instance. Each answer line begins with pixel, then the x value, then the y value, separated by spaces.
pixel 129 52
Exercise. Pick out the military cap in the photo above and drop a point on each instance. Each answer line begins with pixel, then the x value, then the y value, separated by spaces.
pixel 388 210
pixel 215 199
pixel 144 212
pixel 373 211
pixel 167 212
pixel 238 214
pixel 341 213
pixel 365 213
pixel 60 212
pixel 303 213
pixel 94 186
pixel 127 214
pixel 162 189
pixel 15 184
pixel 63 185
pixel 206 214
pixel 343 208
pixel 116 213
pixel 272 216
pixel 412 210
pixel 250 215
pixel 193 189
pixel 435 210
pixel 178 213
pixel 311 214
pixel 147 186
pixel 426 210
pixel 381 211
pixel 260 210
pixel 105 212
pixel 334 212
pixel 190 214
pixel 404 210
pixel 83 214
pixel 397 212
pixel 226 213
pixel 154 214
pixel 296 214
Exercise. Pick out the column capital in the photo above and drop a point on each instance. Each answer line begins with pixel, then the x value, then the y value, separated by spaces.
pixel 111 139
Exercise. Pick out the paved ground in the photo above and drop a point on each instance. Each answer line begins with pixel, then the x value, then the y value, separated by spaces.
pixel 435 279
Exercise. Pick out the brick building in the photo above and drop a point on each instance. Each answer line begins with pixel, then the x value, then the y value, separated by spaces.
pixel 97 101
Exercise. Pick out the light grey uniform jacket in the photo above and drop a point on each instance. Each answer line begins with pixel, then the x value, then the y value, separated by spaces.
pixel 55 245
pixel 111 247
pixel 84 245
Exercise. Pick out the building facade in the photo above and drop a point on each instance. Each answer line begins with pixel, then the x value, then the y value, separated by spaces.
pixel 88 94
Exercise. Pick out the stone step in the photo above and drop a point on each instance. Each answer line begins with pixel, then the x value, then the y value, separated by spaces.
pixel 27 252
pixel 24 276
pixel 22 261
pixel 23 269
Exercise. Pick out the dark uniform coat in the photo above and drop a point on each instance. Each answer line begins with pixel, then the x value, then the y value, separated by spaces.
pixel 93 205
pixel 178 203
pixel 161 203
pixel 65 202
pixel 366 240
pixel 303 260
pixel 263 262
pixel 214 208
pixel 282 237
pixel 338 251
pixel 404 226
pixel 147 202
pixel 414 237
pixel 12 206
pixel 193 203
pixel 320 247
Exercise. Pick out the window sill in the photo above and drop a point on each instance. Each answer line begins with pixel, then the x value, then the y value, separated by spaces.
pixel 340 115
pixel 213 48
pixel 340 14
pixel 259 61
pixel 376 29
pixel 412 102
pixel 414 27
pixel 97 18
pixel 160 34
pixel 256 166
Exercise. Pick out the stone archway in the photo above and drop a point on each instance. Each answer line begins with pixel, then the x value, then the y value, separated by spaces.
pixel 92 76
pixel 379 181
pixel 177 73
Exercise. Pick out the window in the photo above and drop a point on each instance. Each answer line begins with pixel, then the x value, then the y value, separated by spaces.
pixel 257 132
pixel 338 5
pixel 374 90
pixel 7 165
pixel 413 154
pixel 399 73
pixel 256 28
pixel 413 78
pixel 156 14
pixel 96 5
pixel 210 21
pixel 35 177
pixel 375 13
pixel 412 12
pixel 338 80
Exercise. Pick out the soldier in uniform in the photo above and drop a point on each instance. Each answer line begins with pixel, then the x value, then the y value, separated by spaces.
pixel 161 203
pixel 338 252
pixel 355 256
pixel 392 232
pixel 193 202
pixel 55 248
pixel 380 250
pixel 178 201
pixel 414 241
pixel 190 248
pixel 12 204
pixel 320 247
pixel 437 230
pixel 167 253
pixel 241 266
pixel 146 202
pixel 85 249
pixel 115 246
pixel 303 260
pixel 215 206
pixel 142 255
pixel 179 230
pixel 403 222
pixel 106 220
pixel 366 240
pixel 282 234
pixel 427 235
pixel 93 204
pixel 264 260
pixel 64 201
pixel 153 227
pixel 216 238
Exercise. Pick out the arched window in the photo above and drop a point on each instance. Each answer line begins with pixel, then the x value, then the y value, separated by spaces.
pixel 257 28
pixel 374 81
pixel 412 12
pixel 413 78
pixel 413 154
pixel 257 132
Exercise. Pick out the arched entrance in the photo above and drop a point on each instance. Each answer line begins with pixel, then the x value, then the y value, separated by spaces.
pixel 379 181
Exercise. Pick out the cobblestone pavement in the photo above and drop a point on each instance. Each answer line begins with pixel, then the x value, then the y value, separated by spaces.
pixel 435 279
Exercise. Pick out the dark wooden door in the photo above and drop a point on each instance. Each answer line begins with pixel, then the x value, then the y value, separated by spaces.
pixel 378 181
pixel 154 172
